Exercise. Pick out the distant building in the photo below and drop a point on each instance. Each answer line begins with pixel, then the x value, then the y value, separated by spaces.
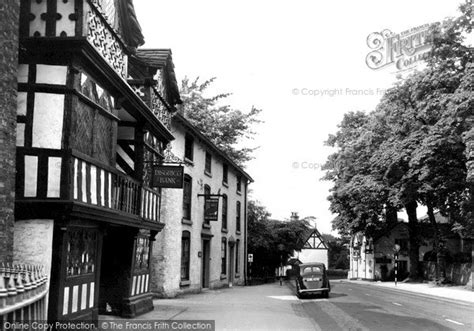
pixel 312 248
pixel 374 258
pixel 193 253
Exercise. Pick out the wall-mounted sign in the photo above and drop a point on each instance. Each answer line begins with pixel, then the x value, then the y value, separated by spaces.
pixel 211 208
pixel 167 176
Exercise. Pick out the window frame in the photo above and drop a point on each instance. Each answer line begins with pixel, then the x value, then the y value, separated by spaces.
pixel 238 209
pixel 189 147
pixel 224 214
pixel 239 184
pixel 224 256
pixel 207 191
pixel 185 258
pixel 237 256
pixel 225 174
pixel 208 163
pixel 187 212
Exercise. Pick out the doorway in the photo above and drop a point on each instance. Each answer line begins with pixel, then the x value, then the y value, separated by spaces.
pixel 206 247
pixel 231 263
pixel 117 255
pixel 75 273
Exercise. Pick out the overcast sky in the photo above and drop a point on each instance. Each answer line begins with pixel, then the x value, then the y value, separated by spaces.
pixel 273 55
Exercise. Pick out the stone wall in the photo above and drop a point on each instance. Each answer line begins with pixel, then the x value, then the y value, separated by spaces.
pixel 9 19
pixel 33 243
pixel 456 273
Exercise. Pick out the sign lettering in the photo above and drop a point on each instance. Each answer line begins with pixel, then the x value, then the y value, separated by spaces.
pixel 167 176
pixel 211 209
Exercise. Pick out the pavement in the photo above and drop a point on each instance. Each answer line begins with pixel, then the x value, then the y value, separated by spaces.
pixel 263 307
pixel 452 293
pixel 353 305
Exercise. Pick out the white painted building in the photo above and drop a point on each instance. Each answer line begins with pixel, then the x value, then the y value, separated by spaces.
pixel 191 254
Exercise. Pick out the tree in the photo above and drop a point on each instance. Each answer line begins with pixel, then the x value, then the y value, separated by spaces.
pixel 412 148
pixel 338 252
pixel 358 196
pixel 222 124
pixel 265 237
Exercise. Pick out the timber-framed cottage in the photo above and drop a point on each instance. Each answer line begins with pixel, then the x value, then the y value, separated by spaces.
pixel 93 115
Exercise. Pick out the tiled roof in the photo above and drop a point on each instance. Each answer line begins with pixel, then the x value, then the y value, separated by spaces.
pixel 155 57
pixel 160 58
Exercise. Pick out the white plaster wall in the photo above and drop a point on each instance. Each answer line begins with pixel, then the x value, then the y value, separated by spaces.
pixel 33 243
pixel 48 120
pixel 49 74
pixel 166 256
pixel 166 261
pixel 314 255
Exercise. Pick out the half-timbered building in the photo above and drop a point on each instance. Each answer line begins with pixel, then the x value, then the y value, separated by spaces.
pixel 311 247
pixel 93 116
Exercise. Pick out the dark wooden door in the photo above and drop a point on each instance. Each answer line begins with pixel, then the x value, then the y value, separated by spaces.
pixel 205 262
pixel 77 275
pixel 231 264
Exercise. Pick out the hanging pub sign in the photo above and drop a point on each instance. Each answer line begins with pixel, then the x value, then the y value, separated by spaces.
pixel 167 176
pixel 211 208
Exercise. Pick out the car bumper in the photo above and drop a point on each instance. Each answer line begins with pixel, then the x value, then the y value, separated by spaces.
pixel 314 290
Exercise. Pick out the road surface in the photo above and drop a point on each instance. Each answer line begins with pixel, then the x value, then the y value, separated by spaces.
pixel 351 306
pixel 366 307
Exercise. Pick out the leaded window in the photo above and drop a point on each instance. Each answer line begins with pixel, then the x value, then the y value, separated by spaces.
pixel 142 253
pixel 81 252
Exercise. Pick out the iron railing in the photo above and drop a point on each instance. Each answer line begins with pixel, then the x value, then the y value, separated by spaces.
pixel 23 290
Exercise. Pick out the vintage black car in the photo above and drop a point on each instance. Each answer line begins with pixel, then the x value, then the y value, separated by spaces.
pixel 312 279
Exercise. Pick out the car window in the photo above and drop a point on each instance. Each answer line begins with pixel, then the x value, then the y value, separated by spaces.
pixel 311 270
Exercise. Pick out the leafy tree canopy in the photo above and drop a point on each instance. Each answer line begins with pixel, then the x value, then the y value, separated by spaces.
pixel 271 241
pixel 222 124
pixel 412 148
